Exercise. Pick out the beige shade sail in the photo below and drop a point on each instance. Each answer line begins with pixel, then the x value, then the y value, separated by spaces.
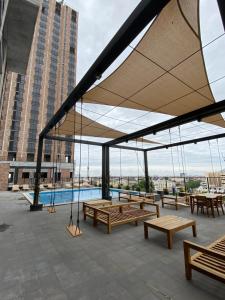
pixel 165 72
pixel 89 127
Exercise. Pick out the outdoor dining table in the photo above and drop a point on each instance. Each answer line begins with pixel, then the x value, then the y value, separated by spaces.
pixel 210 196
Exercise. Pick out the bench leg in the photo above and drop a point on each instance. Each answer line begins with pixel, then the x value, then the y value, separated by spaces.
pixel 170 240
pixel 188 270
pixel 194 230
pixel 109 228
pixel 146 231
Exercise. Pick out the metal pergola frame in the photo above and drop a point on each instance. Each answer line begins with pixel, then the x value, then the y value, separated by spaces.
pixel 143 14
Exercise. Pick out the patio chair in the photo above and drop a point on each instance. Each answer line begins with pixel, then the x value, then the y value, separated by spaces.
pixel 201 202
pixel 218 203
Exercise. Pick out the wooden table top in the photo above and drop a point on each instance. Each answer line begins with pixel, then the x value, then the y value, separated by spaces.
pixel 169 222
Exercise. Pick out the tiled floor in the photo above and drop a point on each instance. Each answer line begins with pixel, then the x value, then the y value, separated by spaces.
pixel 39 259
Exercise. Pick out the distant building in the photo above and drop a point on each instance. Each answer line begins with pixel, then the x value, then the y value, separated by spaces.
pixel 30 100
pixel 17 21
pixel 216 179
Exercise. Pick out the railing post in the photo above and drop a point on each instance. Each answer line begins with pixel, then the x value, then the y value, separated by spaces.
pixel 105 172
pixel 207 179
pixel 36 205
pixel 146 172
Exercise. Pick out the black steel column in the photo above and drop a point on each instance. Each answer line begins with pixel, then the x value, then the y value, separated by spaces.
pixel 36 205
pixel 146 172
pixel 105 172
pixel 221 5
pixel 15 177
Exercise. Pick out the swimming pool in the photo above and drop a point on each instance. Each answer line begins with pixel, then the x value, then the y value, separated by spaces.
pixel 64 196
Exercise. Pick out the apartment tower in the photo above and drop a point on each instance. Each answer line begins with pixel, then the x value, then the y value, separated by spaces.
pixel 30 100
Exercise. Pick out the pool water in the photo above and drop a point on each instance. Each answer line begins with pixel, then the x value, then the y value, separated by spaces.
pixel 65 196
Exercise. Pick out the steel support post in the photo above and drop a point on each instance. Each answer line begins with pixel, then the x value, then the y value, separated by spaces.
pixel 15 178
pixel 146 172
pixel 105 173
pixel 36 205
pixel 221 5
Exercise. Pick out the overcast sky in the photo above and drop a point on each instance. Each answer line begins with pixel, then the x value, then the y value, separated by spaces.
pixel 99 20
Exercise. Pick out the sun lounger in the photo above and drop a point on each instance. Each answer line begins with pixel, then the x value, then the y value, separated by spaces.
pixel 42 187
pixel 25 187
pixel 50 186
pixel 15 188
pixel 68 185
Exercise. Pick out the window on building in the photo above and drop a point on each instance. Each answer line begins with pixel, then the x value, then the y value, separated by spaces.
pixel 11 177
pixel 30 156
pixel 71 174
pixel 25 175
pixel 58 9
pixel 44 174
pixel 73 16
pixel 68 159
pixel 12 156
pixel 72 50
pixel 47 157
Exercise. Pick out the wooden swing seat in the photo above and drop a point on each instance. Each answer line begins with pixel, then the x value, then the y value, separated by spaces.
pixel 74 230
pixel 51 209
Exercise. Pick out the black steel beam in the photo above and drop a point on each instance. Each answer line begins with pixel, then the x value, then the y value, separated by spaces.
pixel 196 115
pixel 105 173
pixel 221 4
pixel 78 141
pixel 72 140
pixel 193 141
pixel 146 172
pixel 143 14
pixel 36 206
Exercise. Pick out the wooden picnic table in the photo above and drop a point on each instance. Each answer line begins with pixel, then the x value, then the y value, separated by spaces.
pixel 169 225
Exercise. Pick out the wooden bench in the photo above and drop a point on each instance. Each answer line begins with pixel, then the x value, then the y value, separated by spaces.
pixel 176 201
pixel 208 260
pixel 101 202
pixel 118 214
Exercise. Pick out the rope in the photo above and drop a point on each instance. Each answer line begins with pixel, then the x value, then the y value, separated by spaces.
pixel 218 148
pixel 53 192
pixel 182 160
pixel 171 151
pixel 72 190
pixel 88 165
pixel 120 166
pixel 210 151
pixel 79 174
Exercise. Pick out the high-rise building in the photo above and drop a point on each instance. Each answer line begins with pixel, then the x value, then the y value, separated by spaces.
pixel 17 21
pixel 31 100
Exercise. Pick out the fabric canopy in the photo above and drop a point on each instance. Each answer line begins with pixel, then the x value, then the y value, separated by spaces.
pixel 165 72
pixel 89 128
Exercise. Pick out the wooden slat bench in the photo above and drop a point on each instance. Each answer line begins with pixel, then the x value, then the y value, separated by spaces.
pixel 175 201
pixel 122 213
pixel 208 260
